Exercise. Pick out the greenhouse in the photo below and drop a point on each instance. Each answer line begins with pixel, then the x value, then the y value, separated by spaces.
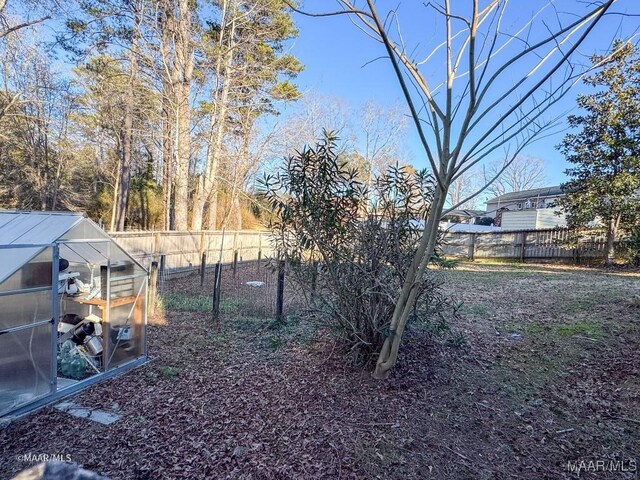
pixel 72 308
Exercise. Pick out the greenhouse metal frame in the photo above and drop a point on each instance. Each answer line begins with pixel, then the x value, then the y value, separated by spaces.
pixel 73 308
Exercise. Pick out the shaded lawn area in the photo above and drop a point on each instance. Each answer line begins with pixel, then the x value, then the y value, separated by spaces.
pixel 549 375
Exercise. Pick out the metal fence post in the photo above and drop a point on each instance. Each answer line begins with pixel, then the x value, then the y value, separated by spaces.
pixel 235 252
pixel 203 266
pixel 280 292
pixel 216 291
pixel 235 262
pixel 153 287
pixel 259 250
pixel 203 257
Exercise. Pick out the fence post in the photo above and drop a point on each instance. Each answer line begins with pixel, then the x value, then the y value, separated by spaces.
pixel 153 273
pixel 235 262
pixel 472 246
pixel 216 291
pixel 259 249
pixel 153 287
pixel 523 245
pixel 202 243
pixel 203 266
pixel 163 262
pixel 280 292
pixel 235 252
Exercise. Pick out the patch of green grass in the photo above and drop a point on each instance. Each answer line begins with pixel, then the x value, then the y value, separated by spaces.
pixel 512 262
pixel 169 372
pixel 230 305
pixel 183 303
pixel 475 309
pixel 587 328
pixel 248 324
pixel 274 343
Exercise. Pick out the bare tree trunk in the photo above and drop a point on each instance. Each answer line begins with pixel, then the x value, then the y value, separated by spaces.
pixel 127 141
pixel 54 196
pixel 167 160
pixel 389 352
pixel 182 73
pixel 237 208
pixel 198 203
pixel 218 120
pixel 124 174
pixel 167 115
pixel 114 207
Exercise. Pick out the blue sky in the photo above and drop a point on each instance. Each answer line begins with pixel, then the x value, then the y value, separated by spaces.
pixel 340 60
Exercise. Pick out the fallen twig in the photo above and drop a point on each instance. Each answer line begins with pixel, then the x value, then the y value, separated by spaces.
pixel 626 419
pixel 566 430
pixel 457 453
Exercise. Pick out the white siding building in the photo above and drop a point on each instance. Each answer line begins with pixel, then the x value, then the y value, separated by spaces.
pixel 528 209
pixel 532 219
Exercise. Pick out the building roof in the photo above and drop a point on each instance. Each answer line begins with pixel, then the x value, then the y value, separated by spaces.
pixel 466 227
pixel 525 194
pixel 466 213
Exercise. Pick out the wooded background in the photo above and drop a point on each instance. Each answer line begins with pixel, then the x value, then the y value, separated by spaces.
pixel 161 114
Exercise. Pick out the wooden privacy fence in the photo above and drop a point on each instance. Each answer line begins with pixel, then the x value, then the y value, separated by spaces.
pixel 179 252
pixel 525 245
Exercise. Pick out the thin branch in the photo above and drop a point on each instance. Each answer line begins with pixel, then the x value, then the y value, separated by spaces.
pixel 23 25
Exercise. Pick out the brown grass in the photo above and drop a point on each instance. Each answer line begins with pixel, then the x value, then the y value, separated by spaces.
pixel 549 375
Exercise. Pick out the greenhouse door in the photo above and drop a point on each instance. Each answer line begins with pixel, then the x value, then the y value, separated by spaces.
pixel 27 335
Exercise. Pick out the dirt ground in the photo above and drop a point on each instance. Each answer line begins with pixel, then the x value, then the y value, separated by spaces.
pixel 548 376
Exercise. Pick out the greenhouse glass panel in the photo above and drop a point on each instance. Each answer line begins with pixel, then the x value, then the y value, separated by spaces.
pixel 25 308
pixel 84 230
pixel 25 268
pixel 126 326
pixel 123 264
pixel 25 366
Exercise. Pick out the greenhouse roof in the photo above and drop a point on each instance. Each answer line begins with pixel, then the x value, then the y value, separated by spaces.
pixel 35 228
pixel 23 229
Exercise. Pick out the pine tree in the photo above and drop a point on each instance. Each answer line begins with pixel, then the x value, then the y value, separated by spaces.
pixel 605 180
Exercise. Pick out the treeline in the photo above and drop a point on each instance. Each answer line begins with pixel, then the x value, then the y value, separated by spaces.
pixel 144 113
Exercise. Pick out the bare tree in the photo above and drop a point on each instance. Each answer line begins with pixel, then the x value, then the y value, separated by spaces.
pixel 498 93
pixel 382 134
pixel 7 26
pixel 463 187
pixel 181 77
pixel 315 113
pixel 523 173
pixel 372 136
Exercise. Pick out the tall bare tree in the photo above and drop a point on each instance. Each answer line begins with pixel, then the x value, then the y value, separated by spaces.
pixel 473 111
pixel 181 77
pixel 223 51
pixel 463 187
pixel 382 132
pixel 523 173
pixel 251 71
